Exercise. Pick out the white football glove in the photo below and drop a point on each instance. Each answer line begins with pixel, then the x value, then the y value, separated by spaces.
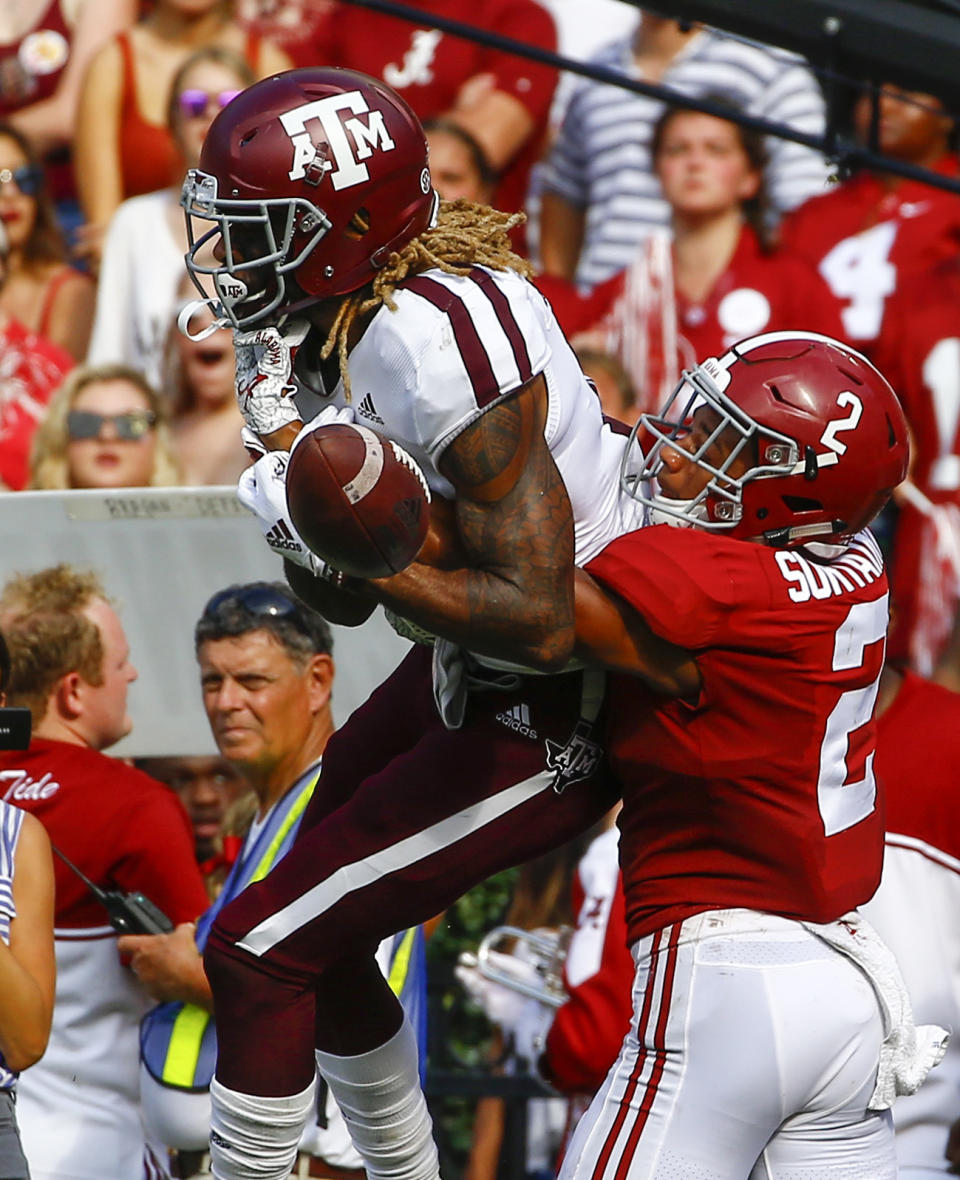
pixel 264 375
pixel 262 489
pixel 328 416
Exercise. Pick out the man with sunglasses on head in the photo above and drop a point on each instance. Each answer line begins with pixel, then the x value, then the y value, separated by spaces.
pixel 79 1107
pixel 266 675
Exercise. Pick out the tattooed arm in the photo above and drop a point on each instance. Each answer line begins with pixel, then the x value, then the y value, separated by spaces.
pixel 514 597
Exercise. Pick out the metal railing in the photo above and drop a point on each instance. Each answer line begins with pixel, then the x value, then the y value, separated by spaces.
pixel 845 152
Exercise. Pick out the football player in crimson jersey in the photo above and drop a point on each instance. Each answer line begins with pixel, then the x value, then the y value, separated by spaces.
pixel 352 293
pixel 743 738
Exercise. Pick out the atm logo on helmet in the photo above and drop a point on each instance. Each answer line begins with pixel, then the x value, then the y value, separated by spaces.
pixel 351 140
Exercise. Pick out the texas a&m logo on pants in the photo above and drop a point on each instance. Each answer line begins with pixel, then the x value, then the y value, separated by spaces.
pixel 350 140
pixel 577 760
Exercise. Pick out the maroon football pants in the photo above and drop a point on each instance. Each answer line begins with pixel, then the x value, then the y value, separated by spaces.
pixel 407 816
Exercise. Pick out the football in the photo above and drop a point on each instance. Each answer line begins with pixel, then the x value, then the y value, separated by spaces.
pixel 357 500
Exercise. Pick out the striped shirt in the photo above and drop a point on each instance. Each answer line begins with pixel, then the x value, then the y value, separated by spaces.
pixel 11 820
pixel 600 161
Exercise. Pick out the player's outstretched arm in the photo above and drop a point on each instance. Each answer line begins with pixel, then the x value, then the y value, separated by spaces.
pixel 611 632
pixel 514 599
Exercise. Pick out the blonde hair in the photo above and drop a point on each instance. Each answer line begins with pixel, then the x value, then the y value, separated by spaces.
pixel 48 452
pixel 48 634
pixel 466 235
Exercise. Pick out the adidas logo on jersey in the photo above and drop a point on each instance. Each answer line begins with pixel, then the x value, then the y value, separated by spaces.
pixel 517 718
pixel 366 409
pixel 280 537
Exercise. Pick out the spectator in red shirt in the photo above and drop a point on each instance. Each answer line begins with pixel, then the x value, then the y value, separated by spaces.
pixel 920 350
pixel 501 99
pixel 123 144
pixel 712 279
pixel 31 368
pixel 875 230
pixel 42 291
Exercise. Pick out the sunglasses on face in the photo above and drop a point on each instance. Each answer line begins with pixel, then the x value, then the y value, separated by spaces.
pixel 261 601
pixel 28 178
pixel 130 427
pixel 194 103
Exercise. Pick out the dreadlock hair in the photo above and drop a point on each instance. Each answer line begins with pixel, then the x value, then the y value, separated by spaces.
pixel 465 235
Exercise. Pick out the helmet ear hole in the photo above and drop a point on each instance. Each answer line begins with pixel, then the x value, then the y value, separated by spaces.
pixel 800 504
pixel 358 225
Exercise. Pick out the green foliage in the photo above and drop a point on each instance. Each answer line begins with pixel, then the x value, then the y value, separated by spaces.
pixel 460 1035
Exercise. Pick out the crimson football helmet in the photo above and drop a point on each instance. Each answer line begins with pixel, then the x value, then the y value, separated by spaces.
pixel 311 179
pixel 821 432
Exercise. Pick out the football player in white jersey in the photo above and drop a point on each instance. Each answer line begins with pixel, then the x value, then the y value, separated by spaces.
pixel 350 289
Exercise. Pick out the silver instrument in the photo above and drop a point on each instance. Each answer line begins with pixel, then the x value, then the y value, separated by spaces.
pixel 545 949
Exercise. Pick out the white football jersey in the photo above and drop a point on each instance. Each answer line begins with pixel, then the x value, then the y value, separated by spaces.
pixel 454 347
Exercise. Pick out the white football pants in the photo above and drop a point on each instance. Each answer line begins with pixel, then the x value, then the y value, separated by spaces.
pixel 752 1055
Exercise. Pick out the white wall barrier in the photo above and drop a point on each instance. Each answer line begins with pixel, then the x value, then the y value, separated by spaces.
pixel 161 553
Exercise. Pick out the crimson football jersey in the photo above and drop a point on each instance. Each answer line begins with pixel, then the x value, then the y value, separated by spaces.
pixel 117 825
pixel 428 67
pixel 761 793
pixel 866 239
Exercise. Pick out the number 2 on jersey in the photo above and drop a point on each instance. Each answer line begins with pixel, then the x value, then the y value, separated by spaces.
pixel 844 803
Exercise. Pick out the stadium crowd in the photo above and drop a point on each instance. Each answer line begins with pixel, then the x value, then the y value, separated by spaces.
pixel 661 236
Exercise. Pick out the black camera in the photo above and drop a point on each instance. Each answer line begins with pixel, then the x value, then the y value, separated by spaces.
pixel 14 728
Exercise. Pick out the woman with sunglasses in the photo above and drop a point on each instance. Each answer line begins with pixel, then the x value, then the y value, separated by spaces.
pixel 123 147
pixel 47 295
pixel 105 428
pixel 142 262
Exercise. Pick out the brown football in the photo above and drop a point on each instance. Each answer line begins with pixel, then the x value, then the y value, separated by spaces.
pixel 355 502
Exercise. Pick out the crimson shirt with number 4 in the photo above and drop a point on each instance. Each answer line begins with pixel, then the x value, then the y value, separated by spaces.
pixel 760 794
pixel 866 240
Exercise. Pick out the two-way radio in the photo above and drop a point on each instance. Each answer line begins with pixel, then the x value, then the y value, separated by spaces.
pixel 130 913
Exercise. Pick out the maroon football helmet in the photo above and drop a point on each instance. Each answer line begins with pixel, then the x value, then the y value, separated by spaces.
pixel 312 175
pixel 822 433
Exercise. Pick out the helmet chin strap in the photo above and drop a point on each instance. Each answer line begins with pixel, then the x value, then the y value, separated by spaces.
pixel 189 310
